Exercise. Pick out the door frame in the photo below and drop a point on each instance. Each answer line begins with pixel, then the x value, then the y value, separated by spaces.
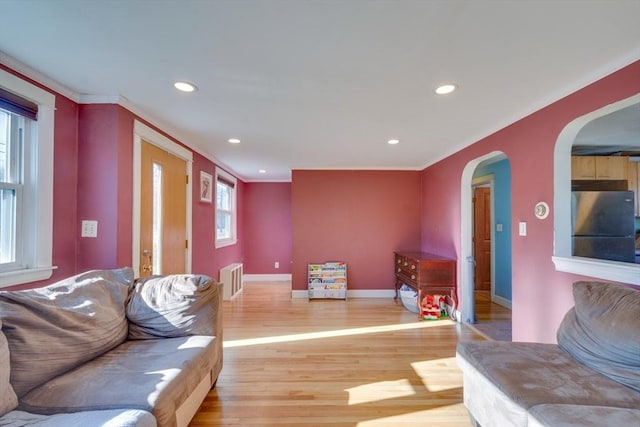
pixel 467 310
pixel 487 181
pixel 143 132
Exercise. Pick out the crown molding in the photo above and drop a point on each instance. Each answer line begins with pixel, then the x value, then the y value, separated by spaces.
pixel 38 77
pixel 55 86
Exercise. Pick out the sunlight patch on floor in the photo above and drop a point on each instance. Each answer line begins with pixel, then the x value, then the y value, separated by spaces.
pixel 443 367
pixel 439 416
pixel 382 390
pixel 336 333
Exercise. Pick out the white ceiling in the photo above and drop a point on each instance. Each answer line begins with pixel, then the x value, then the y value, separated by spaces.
pixel 323 84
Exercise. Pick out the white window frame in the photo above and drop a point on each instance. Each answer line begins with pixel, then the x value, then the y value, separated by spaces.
pixel 225 176
pixel 37 198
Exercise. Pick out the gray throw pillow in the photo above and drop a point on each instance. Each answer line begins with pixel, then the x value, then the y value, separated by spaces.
pixel 602 330
pixel 173 306
pixel 53 329
pixel 8 398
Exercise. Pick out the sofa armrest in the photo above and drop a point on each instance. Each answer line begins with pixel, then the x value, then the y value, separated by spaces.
pixel 175 305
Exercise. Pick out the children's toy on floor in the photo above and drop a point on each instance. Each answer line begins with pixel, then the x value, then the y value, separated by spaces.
pixel 433 307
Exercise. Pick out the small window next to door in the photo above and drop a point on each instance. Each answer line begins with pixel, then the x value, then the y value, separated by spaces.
pixel 157 220
pixel 226 215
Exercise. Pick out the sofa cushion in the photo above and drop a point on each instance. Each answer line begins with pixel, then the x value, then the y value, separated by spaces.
pixel 173 306
pixel 602 330
pixel 152 375
pixel 553 415
pixel 532 373
pixel 53 329
pixel 8 398
pixel 110 418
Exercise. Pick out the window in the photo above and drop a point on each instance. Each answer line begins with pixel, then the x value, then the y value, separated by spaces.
pixel 225 209
pixel 26 181
pixel 12 128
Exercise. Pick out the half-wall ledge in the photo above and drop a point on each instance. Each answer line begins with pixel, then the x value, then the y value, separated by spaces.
pixel 607 270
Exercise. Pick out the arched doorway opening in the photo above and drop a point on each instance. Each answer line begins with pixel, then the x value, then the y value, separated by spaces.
pixel 490 173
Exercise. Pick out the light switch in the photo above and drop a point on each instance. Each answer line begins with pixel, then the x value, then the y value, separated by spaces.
pixel 498 227
pixel 89 228
pixel 522 228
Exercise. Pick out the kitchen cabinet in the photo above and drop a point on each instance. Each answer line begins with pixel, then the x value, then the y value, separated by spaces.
pixel 611 167
pixel 599 168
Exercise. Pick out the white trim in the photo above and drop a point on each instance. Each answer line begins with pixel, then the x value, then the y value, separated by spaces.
pixel 37 76
pixel 226 176
pixel 467 299
pixel 562 250
pixel 108 99
pixel 267 277
pixel 622 272
pixel 354 293
pixel 40 204
pixel 101 99
pixel 501 301
pixel 371 293
pixel 143 132
pixel 18 277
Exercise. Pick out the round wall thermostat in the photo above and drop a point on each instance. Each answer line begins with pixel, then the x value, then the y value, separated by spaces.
pixel 542 210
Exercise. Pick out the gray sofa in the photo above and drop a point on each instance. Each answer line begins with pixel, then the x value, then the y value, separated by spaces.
pixel 100 349
pixel 590 378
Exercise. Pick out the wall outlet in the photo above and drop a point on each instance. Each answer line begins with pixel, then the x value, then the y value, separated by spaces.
pixel 276 264
pixel 89 228
pixel 498 227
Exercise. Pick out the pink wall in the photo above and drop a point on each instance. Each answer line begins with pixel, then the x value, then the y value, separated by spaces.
pixel 541 295
pixel 206 259
pixel 267 228
pixel 65 182
pixel 359 217
pixel 106 194
pixel 98 185
pixel 93 179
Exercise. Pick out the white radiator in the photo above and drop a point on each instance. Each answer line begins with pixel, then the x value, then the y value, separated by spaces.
pixel 231 278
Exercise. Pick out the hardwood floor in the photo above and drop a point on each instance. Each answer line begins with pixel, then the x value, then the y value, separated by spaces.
pixel 487 311
pixel 492 320
pixel 361 362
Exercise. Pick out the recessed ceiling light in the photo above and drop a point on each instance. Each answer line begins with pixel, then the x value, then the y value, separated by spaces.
pixel 233 140
pixel 184 86
pixel 393 141
pixel 445 89
pixel 262 171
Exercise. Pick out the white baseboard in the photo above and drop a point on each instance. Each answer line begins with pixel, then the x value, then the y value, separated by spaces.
pixel 266 277
pixel 355 293
pixel 501 301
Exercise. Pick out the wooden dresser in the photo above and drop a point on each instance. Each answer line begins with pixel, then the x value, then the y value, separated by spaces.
pixel 427 274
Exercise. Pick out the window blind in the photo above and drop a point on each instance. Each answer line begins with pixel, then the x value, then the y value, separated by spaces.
pixel 18 105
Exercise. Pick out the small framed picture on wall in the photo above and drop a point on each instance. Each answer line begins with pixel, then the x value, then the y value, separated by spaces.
pixel 206 187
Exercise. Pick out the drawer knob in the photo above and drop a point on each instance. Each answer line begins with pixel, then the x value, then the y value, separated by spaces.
pixel 399 270
pixel 399 261
pixel 413 267
pixel 406 263
pixel 413 277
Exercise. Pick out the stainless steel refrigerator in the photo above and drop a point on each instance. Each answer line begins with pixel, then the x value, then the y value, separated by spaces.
pixel 603 225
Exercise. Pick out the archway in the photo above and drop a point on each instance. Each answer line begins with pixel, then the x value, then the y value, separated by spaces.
pixel 467 298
